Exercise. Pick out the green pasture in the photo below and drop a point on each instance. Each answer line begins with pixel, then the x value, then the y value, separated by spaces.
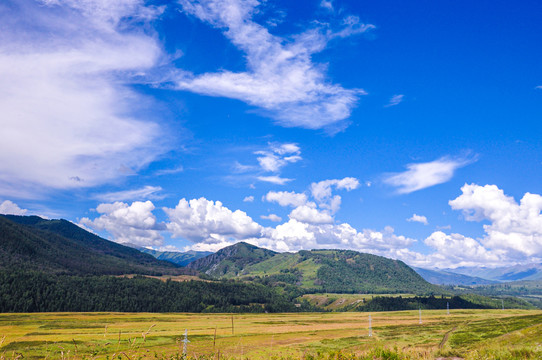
pixel 470 334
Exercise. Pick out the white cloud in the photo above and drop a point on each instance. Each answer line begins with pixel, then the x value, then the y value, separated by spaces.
pixel 10 208
pixel 278 156
pixel 271 217
pixel 310 215
pixel 277 180
pixel 205 221
pixel 176 170
pixel 327 4
pixel 68 120
pixel 514 227
pixel 395 100
pixel 134 224
pixel 296 235
pixel 322 190
pixel 423 175
pixel 248 199
pixel 280 78
pixel 146 192
pixel 539 87
pixel 418 218
pixel 456 250
pixel 285 198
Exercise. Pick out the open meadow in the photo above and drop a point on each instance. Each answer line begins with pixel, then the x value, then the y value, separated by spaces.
pixel 473 334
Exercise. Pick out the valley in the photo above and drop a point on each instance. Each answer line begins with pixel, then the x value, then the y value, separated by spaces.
pixel 472 334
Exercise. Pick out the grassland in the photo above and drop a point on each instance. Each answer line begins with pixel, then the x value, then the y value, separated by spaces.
pixel 473 334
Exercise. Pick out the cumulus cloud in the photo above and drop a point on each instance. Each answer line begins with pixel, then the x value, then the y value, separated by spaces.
pixel 10 208
pixel 514 227
pixel 280 78
pixel 65 67
pixel 271 161
pixel 146 192
pixel 205 221
pixel 454 250
pixel 278 156
pixel 272 217
pixel 248 199
pixel 133 224
pixel 285 198
pixel 296 235
pixel 423 175
pixel 310 215
pixel 322 192
pixel 418 218
pixel 395 100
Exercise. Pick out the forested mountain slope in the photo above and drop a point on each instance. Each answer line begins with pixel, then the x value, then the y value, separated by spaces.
pixel 59 246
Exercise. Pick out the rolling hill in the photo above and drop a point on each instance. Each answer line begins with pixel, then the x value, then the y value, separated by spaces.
pixel 231 260
pixel 335 271
pixel 61 247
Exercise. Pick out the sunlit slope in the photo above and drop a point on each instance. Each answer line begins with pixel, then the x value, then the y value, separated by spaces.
pixel 335 271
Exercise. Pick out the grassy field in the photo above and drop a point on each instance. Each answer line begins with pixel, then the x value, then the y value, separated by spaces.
pixel 472 334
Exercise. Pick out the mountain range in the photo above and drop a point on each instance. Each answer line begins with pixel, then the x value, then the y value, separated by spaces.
pixel 61 247
pixel 336 271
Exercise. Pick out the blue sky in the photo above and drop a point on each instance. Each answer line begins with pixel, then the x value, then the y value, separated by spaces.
pixel 405 129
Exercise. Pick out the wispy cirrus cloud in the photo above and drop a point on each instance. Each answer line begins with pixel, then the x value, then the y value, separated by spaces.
pixel 274 179
pixel 66 67
pixel 423 175
pixel 144 193
pixel 395 100
pixel 280 78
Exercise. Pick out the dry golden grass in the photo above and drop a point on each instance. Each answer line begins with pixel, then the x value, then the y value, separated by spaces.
pixel 254 336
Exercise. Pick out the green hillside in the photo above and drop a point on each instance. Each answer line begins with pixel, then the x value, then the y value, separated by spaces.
pixel 230 260
pixel 333 271
pixel 59 246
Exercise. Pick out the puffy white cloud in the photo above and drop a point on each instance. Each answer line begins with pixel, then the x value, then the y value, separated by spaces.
pixel 395 100
pixel 423 175
pixel 206 221
pixel 271 217
pixel 10 208
pixel 310 215
pixel 64 66
pixel 274 179
pixel 248 199
pixel 134 224
pixel 454 250
pixel 285 198
pixel 296 235
pixel 418 218
pixel 513 227
pixel 321 191
pixel 146 192
pixel 280 78
pixel 278 156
